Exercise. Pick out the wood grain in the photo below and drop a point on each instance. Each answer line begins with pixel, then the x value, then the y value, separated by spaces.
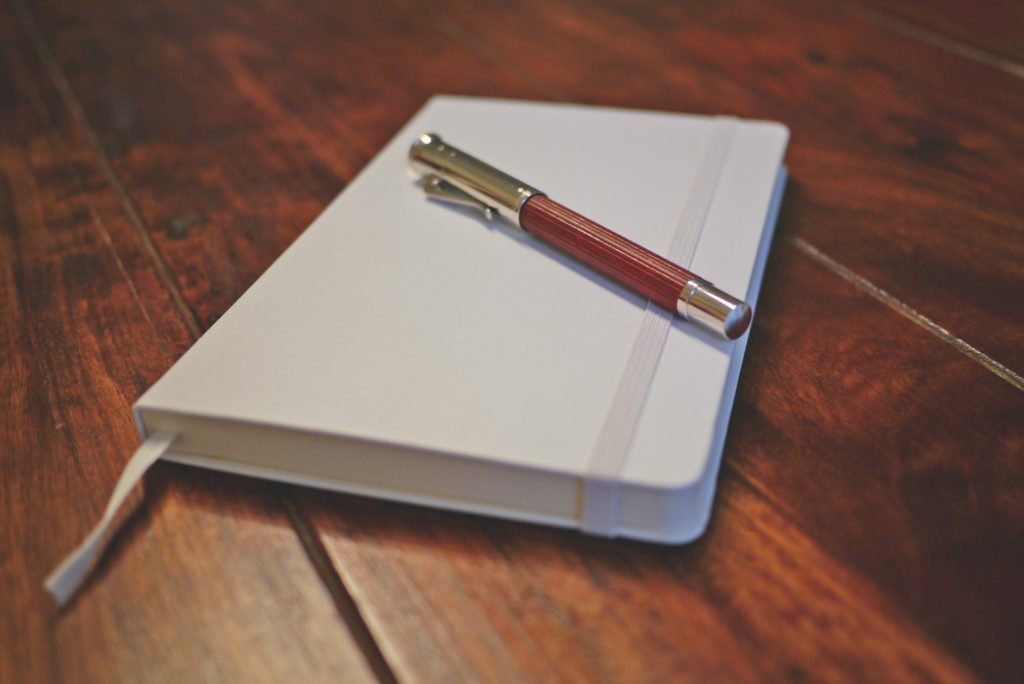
pixel 753 601
pixel 869 522
pixel 86 327
pixel 974 30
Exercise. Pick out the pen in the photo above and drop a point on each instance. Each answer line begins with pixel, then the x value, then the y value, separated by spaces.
pixel 452 175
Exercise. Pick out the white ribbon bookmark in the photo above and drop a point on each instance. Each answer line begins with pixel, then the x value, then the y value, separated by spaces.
pixel 602 488
pixel 70 574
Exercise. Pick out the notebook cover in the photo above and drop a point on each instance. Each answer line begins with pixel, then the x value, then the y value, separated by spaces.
pixel 407 325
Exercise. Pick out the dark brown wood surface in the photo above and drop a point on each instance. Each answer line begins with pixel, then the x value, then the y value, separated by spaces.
pixel 869 524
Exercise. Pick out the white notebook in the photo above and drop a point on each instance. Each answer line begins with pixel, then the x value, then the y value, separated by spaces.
pixel 405 349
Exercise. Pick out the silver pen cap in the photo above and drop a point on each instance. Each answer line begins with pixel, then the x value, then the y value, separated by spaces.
pixel 702 302
pixel 451 174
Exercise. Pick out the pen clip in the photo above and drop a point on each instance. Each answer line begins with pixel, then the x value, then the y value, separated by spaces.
pixel 438 188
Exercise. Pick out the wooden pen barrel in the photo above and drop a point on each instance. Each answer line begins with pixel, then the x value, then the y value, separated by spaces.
pixel 610 254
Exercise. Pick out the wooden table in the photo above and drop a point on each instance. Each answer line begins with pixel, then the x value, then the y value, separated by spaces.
pixel 155 157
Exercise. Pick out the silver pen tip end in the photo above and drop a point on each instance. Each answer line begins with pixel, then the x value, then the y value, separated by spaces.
pixel 702 302
pixel 738 320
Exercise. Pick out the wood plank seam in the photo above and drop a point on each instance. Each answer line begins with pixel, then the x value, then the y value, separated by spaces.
pixel 344 602
pixel 908 312
pixel 35 99
pixel 62 418
pixel 63 87
pixel 936 40
pixel 343 599
pixel 101 228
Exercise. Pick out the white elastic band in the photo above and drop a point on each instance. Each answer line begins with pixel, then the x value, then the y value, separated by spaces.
pixel 601 491
pixel 69 575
